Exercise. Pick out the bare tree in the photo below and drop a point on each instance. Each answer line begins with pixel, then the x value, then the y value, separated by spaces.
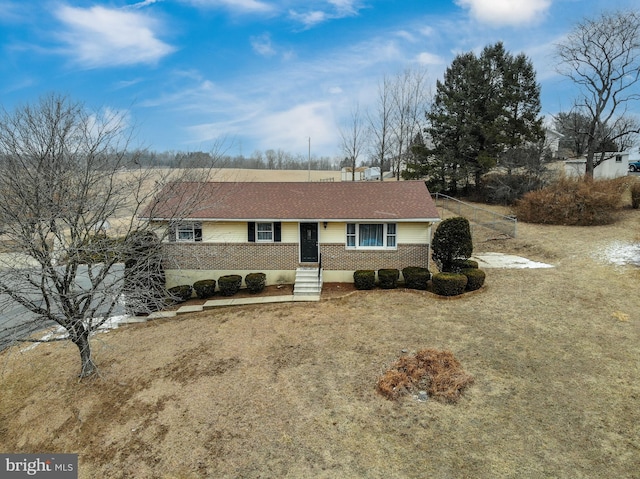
pixel 380 126
pixel 409 98
pixel 69 199
pixel 602 57
pixel 354 138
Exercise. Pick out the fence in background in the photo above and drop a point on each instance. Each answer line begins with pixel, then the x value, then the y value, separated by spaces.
pixel 478 216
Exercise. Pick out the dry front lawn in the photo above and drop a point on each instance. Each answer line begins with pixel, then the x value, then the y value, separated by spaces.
pixel 289 391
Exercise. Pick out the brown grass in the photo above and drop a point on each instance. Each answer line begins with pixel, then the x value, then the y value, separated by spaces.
pixel 289 390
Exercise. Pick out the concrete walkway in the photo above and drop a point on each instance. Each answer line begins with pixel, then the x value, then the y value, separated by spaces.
pixel 217 303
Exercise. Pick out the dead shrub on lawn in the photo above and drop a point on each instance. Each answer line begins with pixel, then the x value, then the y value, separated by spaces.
pixel 437 372
pixel 574 202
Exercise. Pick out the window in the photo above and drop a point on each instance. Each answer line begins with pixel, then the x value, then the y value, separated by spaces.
pixel 264 231
pixel 371 235
pixel 618 158
pixel 186 232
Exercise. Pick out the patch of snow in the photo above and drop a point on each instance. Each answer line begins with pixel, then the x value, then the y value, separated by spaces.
pixel 501 260
pixel 620 253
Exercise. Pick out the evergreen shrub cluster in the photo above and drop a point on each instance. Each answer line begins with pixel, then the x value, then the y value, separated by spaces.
pixel 205 288
pixel 364 279
pixel 255 282
pixel 229 284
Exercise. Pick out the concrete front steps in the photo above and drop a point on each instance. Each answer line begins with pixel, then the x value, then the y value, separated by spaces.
pixel 308 284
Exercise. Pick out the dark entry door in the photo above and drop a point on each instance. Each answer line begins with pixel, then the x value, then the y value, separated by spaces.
pixel 309 242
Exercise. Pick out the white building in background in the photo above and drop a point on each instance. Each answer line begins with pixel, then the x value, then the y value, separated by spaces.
pixel 615 166
pixel 363 173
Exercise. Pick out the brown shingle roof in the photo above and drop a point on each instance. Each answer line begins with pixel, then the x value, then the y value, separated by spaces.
pixel 404 200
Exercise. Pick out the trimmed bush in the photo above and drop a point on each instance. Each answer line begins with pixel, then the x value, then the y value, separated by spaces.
pixel 449 284
pixel 457 265
pixel 388 278
pixel 475 278
pixel 364 279
pixel 416 277
pixel 635 195
pixel 229 284
pixel 255 282
pixel 181 293
pixel 205 288
pixel 451 241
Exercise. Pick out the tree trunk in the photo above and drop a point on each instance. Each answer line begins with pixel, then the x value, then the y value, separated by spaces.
pixel 81 339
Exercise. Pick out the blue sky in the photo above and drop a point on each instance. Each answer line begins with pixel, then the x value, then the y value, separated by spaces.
pixel 262 74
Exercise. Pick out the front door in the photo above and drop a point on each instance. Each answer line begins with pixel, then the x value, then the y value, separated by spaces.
pixel 308 242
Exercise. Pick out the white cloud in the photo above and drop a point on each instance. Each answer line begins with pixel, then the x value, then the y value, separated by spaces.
pixel 340 9
pixel 240 6
pixel 506 12
pixel 309 19
pixel 99 37
pixel 426 58
pixel 294 126
pixel 262 45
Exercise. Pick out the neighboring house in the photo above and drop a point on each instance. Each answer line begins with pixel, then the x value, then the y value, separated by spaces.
pixel 276 228
pixel 552 141
pixel 615 166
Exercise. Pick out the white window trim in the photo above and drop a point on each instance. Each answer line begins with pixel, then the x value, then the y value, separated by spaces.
pixel 185 227
pixel 357 237
pixel 271 231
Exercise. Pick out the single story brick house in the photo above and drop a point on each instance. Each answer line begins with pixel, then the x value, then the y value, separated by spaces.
pixel 279 227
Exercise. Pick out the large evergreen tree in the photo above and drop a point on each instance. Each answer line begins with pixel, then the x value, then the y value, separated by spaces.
pixel 485 106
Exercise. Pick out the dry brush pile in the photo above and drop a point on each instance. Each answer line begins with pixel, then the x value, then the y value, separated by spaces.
pixel 438 373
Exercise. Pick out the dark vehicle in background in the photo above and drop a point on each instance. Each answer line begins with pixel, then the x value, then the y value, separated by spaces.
pixel 634 165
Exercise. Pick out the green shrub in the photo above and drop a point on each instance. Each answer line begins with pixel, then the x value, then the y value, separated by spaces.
pixel 573 202
pixel 388 278
pixel 255 282
pixel 451 241
pixel 449 284
pixel 475 278
pixel 364 279
pixel 416 277
pixel 457 265
pixel 635 195
pixel 181 293
pixel 205 288
pixel 229 284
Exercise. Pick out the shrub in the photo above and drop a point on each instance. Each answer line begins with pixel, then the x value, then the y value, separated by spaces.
pixel 388 278
pixel 180 293
pixel 573 202
pixel 255 282
pixel 229 284
pixel 635 195
pixel 475 278
pixel 364 279
pixel 416 277
pixel 205 288
pixel 457 265
pixel 449 284
pixel 451 241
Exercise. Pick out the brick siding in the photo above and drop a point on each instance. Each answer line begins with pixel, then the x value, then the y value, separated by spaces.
pixel 284 256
